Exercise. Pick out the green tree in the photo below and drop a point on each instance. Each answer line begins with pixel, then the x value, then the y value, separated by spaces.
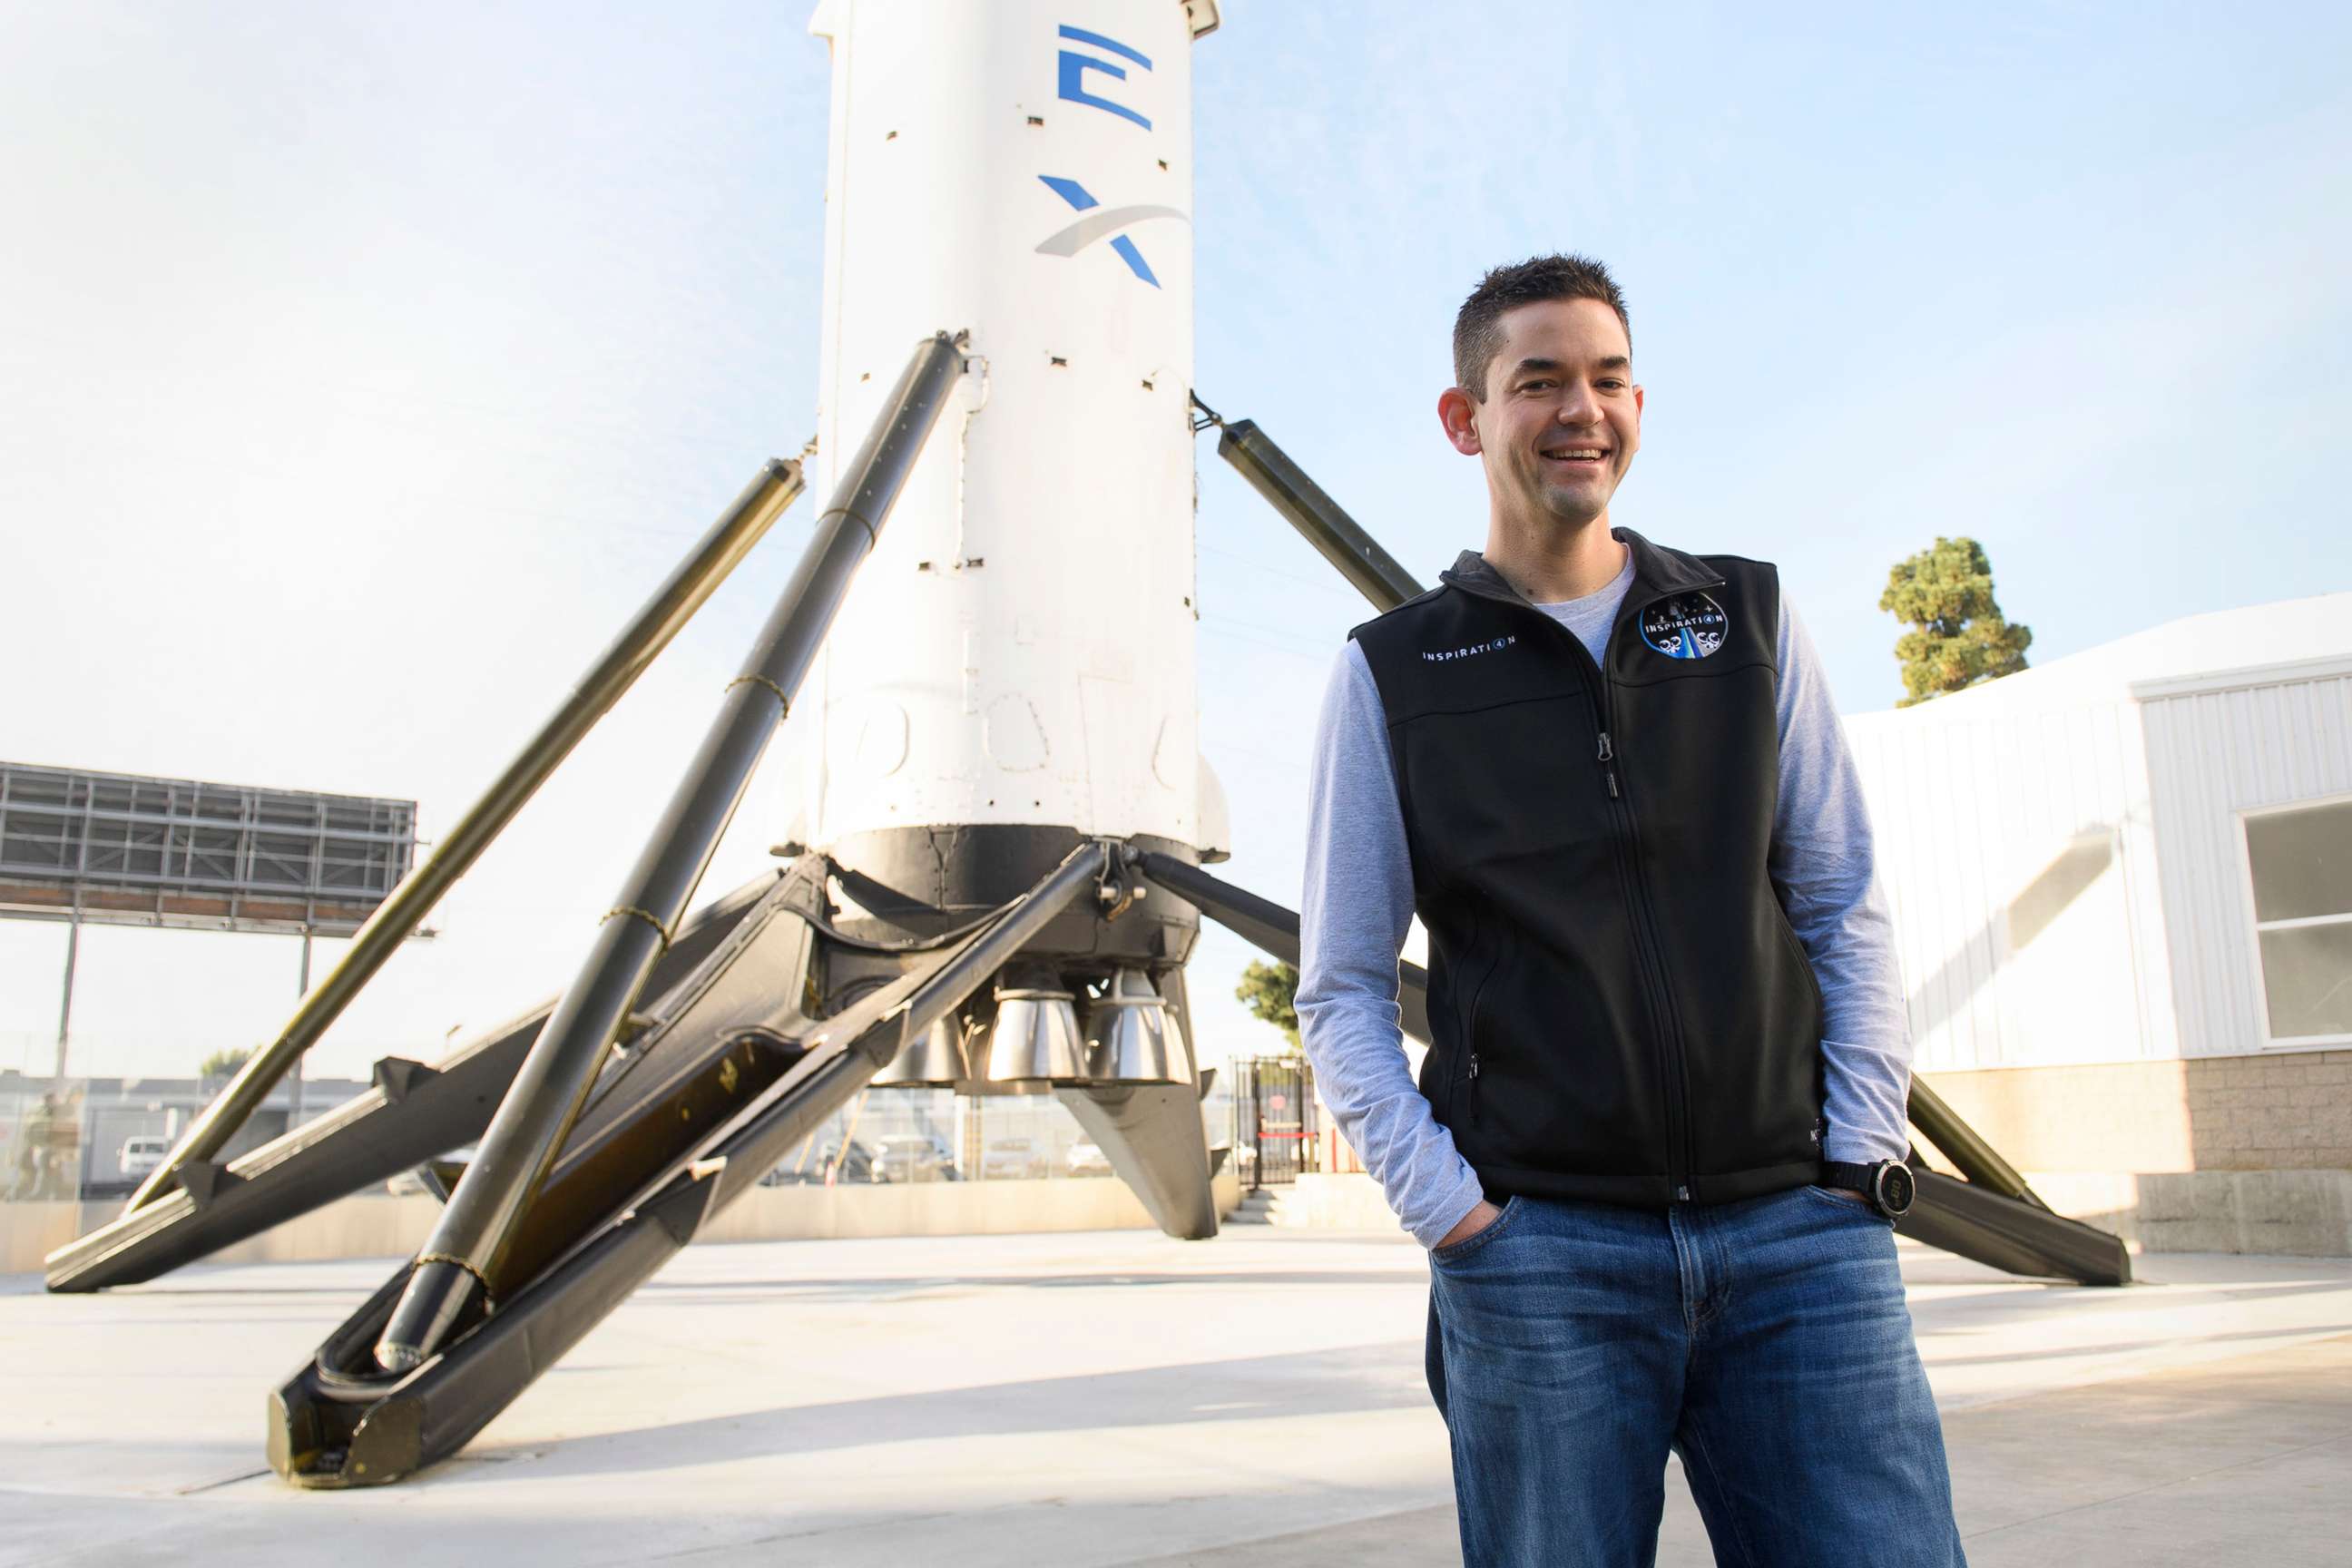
pixel 1959 637
pixel 223 1063
pixel 1271 992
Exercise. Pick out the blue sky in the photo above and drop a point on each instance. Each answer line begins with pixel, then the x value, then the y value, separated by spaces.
pixel 365 363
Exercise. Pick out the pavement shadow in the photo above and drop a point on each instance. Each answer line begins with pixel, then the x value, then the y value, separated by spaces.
pixel 744 1291
pixel 2124 1347
pixel 1323 1382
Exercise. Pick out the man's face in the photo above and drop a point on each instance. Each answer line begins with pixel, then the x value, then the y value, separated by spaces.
pixel 1562 418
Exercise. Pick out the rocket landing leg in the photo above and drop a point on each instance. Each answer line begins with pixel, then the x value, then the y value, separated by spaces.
pixel 735 1075
pixel 416 1111
pixel 1152 1135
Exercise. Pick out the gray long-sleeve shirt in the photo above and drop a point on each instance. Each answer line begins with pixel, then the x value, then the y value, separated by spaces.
pixel 1357 908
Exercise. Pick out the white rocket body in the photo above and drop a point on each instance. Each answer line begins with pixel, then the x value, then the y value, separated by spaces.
pixel 1018 649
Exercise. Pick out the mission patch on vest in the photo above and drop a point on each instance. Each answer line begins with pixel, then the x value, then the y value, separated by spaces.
pixel 1689 625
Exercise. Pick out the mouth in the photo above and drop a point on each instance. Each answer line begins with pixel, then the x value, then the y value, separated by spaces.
pixel 1575 457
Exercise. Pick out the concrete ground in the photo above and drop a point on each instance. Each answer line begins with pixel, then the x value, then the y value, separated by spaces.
pixel 1112 1398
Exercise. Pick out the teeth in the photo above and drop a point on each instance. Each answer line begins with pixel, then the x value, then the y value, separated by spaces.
pixel 1577 452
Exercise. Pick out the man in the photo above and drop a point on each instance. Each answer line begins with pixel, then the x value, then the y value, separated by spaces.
pixel 1655 1145
pixel 33 1151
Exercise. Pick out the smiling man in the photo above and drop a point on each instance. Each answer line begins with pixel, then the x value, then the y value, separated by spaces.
pixel 1655 1149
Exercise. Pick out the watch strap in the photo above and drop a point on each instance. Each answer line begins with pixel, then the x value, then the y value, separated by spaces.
pixel 1860 1179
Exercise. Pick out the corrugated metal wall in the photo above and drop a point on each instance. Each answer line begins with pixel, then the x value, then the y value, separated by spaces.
pixel 2211 754
pixel 2018 850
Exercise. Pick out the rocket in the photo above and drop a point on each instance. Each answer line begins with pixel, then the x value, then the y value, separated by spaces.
pixel 1013 671
pixel 1014 663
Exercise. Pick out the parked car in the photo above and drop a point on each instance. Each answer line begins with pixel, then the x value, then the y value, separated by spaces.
pixel 858 1167
pixel 1013 1157
pixel 1087 1158
pixel 914 1157
pixel 141 1153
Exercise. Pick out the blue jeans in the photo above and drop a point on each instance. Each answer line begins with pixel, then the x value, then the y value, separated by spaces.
pixel 1765 1342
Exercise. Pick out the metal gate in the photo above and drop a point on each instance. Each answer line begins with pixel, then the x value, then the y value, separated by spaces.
pixel 1275 1134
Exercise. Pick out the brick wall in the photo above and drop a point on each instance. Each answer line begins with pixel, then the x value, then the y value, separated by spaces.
pixel 2272 1112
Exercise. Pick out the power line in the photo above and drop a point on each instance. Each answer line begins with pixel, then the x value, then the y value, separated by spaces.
pixel 1275 647
pixel 1323 583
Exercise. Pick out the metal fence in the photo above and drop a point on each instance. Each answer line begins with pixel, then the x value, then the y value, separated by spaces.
pixel 98 1137
pixel 1276 1135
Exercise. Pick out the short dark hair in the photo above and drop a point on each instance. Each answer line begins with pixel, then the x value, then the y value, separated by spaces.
pixel 1478 326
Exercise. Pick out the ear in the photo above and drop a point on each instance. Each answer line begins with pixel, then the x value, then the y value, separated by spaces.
pixel 1458 412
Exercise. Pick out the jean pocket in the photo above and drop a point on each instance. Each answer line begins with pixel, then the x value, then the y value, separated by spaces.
pixel 1470 1244
pixel 1857 1204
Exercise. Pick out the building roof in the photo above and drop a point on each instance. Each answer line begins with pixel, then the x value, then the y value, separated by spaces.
pixel 2258 644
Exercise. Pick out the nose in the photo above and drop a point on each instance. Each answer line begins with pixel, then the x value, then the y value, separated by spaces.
pixel 1577 407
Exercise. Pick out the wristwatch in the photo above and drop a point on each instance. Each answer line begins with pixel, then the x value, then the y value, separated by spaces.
pixel 1887 1183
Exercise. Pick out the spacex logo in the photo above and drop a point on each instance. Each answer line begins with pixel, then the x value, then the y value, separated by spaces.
pixel 1441 656
pixel 1101 222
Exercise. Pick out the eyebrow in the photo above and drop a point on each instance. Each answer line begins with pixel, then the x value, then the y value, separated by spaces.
pixel 1612 361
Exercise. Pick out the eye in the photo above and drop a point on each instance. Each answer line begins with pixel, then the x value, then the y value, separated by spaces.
pixel 1535 386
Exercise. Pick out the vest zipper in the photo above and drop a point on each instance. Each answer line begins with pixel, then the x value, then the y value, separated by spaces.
pixel 1649 951
pixel 1682 1160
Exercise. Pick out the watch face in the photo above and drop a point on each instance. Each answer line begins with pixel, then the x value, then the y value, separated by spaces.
pixel 1895 1189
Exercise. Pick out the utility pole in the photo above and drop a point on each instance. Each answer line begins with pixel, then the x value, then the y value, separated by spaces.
pixel 65 1007
pixel 294 1076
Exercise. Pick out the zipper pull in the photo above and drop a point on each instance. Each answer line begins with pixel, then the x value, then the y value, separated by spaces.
pixel 1607 755
pixel 1473 1064
pixel 1607 750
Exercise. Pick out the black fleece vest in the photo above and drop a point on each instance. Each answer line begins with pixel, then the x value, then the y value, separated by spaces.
pixel 1621 1009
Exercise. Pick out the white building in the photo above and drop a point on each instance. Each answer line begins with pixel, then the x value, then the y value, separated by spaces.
pixel 2122 888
